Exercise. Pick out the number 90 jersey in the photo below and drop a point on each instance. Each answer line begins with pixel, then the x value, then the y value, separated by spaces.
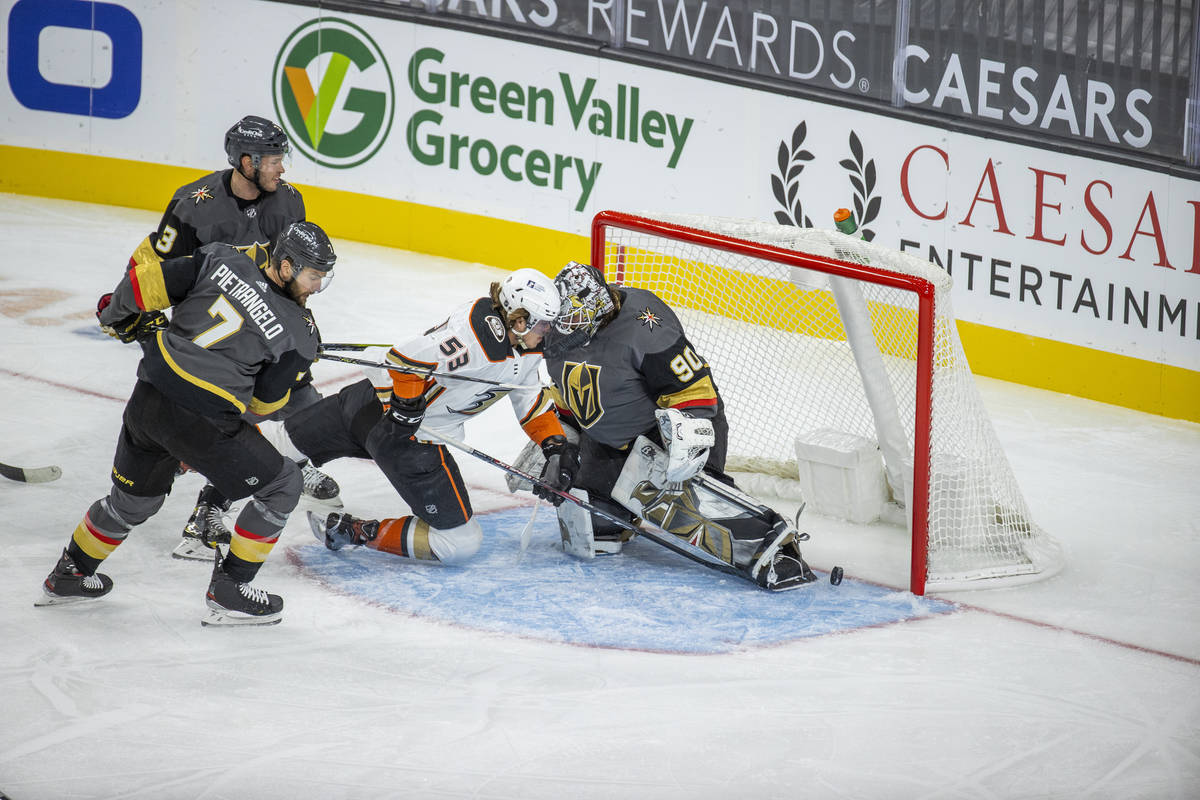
pixel 639 362
pixel 473 343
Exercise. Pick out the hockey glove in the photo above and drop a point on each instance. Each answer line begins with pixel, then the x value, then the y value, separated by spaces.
pixel 133 328
pixel 560 469
pixel 405 414
pixel 687 440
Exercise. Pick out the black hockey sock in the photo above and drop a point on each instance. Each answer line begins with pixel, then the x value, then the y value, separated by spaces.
pixel 239 569
pixel 83 562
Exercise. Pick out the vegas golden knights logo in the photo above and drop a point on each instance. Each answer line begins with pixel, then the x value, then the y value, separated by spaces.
pixel 581 392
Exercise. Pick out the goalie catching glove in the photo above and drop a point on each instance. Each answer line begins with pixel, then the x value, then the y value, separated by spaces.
pixel 133 328
pixel 686 440
pixel 562 464
pixel 406 414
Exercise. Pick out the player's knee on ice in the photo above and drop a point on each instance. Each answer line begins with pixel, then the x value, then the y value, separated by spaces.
pixel 456 545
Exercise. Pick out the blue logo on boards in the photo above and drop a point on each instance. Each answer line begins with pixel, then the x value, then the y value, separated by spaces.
pixel 646 598
pixel 118 98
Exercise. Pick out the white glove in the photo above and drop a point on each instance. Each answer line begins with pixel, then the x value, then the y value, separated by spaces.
pixel 687 440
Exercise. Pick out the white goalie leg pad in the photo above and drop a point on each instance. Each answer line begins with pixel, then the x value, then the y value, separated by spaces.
pixel 648 462
pixel 575 527
pixel 578 534
pixel 456 545
pixel 277 435
pixel 684 509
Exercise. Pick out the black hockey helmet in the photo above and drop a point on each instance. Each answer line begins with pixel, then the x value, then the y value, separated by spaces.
pixel 305 245
pixel 255 137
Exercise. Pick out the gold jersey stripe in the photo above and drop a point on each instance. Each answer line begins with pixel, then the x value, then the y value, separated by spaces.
pixel 145 254
pixel 702 389
pixel 262 408
pixel 150 286
pixel 192 379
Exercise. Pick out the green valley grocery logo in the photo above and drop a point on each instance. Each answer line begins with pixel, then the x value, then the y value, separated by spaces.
pixel 333 92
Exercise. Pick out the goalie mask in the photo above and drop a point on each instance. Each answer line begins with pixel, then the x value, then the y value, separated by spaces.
pixel 528 295
pixel 306 246
pixel 587 304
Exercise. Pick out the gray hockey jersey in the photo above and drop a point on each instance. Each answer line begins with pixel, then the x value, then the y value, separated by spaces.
pixel 237 343
pixel 639 362
pixel 206 211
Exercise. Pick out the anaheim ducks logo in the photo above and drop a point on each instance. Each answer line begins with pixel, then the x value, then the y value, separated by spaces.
pixel 581 391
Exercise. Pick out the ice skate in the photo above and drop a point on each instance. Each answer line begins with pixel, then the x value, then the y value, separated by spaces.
pixel 66 584
pixel 319 489
pixel 205 529
pixel 335 531
pixel 778 565
pixel 233 603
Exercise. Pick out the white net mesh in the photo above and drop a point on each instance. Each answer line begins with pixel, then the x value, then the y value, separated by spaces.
pixel 776 337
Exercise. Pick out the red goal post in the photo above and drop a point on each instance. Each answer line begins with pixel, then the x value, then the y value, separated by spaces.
pixel 812 333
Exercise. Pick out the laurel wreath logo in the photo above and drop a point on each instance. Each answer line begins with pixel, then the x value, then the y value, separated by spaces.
pixel 792 158
pixel 862 178
pixel 786 185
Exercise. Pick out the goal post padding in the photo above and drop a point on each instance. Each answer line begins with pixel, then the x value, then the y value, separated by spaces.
pixel 812 330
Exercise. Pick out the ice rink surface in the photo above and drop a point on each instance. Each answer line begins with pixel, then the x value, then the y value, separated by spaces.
pixel 536 676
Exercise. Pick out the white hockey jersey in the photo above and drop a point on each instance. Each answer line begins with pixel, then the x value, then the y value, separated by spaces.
pixel 471 343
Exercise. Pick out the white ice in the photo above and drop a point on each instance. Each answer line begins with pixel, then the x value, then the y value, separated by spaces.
pixel 1086 685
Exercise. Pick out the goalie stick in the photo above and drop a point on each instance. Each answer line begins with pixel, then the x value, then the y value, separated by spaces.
pixel 663 539
pixel 324 356
pixel 31 474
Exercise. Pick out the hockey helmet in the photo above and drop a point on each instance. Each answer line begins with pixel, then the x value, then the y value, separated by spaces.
pixel 255 137
pixel 528 293
pixel 306 246
pixel 587 304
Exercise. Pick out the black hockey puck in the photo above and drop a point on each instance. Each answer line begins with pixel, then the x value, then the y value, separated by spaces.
pixel 835 576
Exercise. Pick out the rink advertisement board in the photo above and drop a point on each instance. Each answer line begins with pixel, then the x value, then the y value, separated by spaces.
pixel 1062 248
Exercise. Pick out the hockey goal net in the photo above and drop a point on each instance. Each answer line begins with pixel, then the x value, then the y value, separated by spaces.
pixel 810 330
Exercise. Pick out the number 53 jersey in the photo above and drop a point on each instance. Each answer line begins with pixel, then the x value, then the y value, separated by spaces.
pixel 237 342
pixel 472 343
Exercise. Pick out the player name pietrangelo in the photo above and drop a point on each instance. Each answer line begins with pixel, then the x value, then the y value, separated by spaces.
pixel 257 309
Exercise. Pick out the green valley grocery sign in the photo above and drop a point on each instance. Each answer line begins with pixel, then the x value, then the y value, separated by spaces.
pixel 333 92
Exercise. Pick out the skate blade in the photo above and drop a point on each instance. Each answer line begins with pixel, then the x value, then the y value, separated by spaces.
pixel 190 550
pixel 225 619
pixel 332 504
pixel 793 583
pixel 48 599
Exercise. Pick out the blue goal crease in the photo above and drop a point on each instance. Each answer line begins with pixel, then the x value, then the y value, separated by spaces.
pixel 645 598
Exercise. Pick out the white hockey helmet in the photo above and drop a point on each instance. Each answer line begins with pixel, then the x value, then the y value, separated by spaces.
pixel 528 293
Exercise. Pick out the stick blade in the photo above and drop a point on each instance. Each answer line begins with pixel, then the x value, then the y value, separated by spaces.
pixel 32 474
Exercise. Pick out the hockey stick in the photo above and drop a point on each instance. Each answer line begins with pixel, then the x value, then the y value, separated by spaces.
pixel 426 372
pixel 663 539
pixel 527 531
pixel 31 474
pixel 348 346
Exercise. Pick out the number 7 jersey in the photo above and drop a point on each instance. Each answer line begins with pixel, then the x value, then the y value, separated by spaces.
pixel 237 342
